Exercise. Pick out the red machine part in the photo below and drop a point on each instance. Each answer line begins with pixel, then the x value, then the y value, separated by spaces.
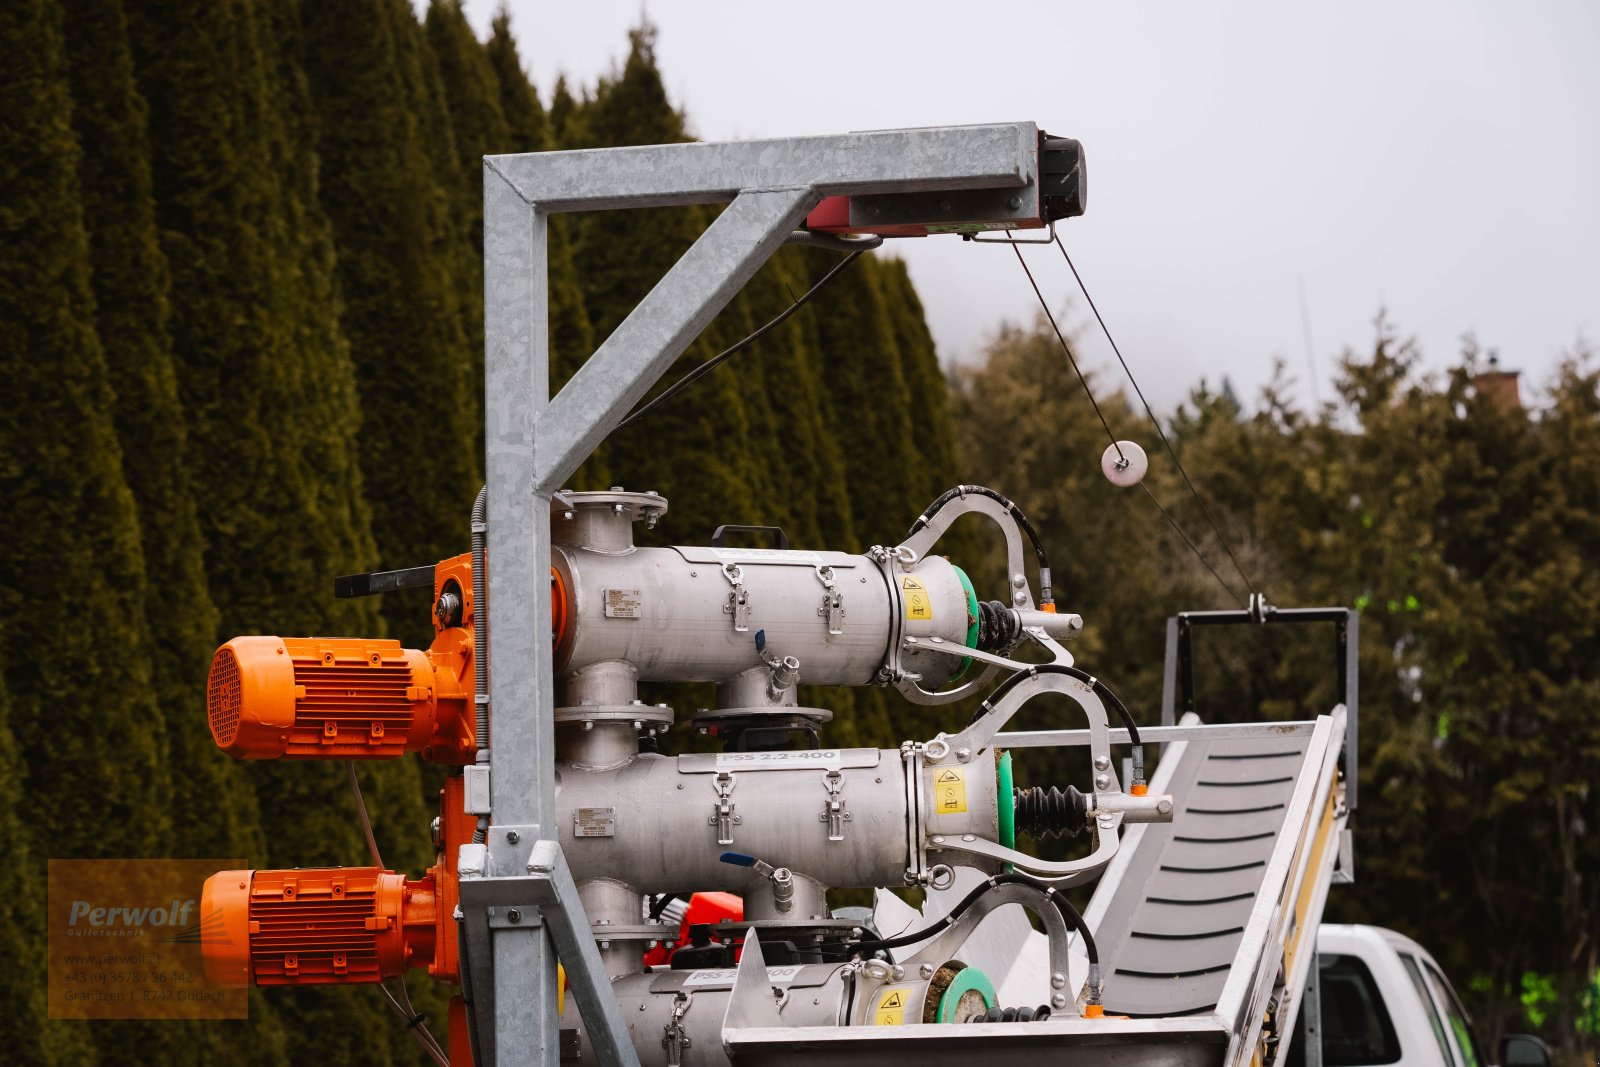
pixel 708 908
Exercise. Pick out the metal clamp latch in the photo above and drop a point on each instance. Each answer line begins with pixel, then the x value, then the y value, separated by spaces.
pixel 725 819
pixel 832 601
pixel 675 1038
pixel 834 813
pixel 738 604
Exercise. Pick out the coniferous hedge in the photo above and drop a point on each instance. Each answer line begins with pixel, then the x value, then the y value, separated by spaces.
pixel 241 314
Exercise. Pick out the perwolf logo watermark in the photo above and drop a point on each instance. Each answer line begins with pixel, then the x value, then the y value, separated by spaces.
pixel 105 920
pixel 127 940
pixel 114 918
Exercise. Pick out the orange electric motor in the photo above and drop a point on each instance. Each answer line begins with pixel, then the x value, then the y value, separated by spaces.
pixel 339 925
pixel 341 698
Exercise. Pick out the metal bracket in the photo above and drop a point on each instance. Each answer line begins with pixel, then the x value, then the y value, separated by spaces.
pixel 916 547
pixel 536 896
pixel 832 601
pixel 725 817
pixel 738 604
pixel 834 813
pixel 675 1038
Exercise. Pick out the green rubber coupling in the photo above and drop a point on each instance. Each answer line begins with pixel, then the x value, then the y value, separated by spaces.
pixel 1005 801
pixel 972 620
pixel 967 982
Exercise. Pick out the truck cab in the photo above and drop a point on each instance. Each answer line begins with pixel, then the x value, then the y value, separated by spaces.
pixel 1384 1000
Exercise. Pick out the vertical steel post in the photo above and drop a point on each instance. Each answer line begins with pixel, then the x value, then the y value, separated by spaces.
pixel 517 388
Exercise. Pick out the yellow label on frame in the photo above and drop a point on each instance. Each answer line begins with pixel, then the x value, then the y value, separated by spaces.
pixel 891 1010
pixel 950 791
pixel 918 604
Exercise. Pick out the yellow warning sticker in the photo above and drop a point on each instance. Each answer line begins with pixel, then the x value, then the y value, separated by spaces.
pixel 950 791
pixel 918 604
pixel 891 1010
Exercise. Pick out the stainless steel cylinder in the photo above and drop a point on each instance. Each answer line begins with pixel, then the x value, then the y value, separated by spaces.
pixel 689 614
pixel 840 817
pixel 676 1017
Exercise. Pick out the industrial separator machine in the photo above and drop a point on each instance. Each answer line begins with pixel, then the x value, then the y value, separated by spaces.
pixel 568 831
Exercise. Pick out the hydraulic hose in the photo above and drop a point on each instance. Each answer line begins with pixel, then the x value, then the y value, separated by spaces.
pixel 1045 596
pixel 466 987
pixel 1103 691
pixel 1068 913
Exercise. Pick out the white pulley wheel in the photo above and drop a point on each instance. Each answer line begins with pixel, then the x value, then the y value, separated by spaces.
pixel 1124 464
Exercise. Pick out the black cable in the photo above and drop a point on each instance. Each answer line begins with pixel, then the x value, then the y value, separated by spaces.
pixel 715 361
pixel 466 990
pixel 1101 689
pixel 1148 411
pixel 1069 915
pixel 1068 350
pixel 1199 555
pixel 1015 512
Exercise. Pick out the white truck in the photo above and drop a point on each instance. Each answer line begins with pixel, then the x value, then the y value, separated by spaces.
pixel 1382 1000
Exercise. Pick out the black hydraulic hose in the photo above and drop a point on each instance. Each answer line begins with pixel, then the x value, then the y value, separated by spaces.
pixel 466 988
pixel 933 509
pixel 1100 688
pixel 1068 914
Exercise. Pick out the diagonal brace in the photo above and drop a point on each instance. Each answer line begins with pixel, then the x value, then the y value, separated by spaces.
pixel 664 324
pixel 548 885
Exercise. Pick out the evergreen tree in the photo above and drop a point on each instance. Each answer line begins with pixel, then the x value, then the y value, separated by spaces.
pixel 267 381
pixel 571 335
pixel 418 440
pixel 709 470
pixel 214 810
pixel 71 573
pixel 862 365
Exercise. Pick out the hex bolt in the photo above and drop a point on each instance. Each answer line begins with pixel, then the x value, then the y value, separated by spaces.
pixel 963 754
pixel 1164 807
pixel 513 916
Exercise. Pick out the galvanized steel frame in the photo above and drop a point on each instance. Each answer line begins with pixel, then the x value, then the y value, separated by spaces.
pixel 534 442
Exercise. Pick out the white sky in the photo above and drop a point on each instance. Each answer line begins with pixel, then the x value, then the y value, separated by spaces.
pixel 1440 159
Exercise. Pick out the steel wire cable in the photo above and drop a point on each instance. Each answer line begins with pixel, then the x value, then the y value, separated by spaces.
pixel 721 357
pixel 1223 541
pixel 1067 349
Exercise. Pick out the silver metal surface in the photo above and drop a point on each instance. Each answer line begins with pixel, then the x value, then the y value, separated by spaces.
pixel 680 631
pixel 516 385
pixel 912 554
pixel 1069 1042
pixel 1191 730
pixel 1003 155
pixel 674 817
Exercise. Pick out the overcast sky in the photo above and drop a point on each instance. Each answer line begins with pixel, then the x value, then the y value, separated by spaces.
pixel 1439 159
